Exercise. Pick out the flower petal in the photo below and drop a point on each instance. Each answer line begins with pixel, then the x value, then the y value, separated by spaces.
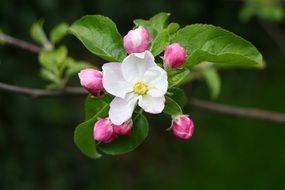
pixel 135 65
pixel 151 104
pixel 113 80
pixel 121 110
pixel 156 80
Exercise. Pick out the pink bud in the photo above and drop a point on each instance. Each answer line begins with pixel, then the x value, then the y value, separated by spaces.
pixel 182 127
pixel 91 80
pixel 103 131
pixel 125 129
pixel 136 41
pixel 174 55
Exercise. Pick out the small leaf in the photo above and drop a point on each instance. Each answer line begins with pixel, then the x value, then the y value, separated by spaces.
pixel 47 60
pixel 93 105
pixel 173 27
pixel 155 24
pixel 162 39
pixel 175 76
pixel 159 43
pixel 123 144
pixel 99 34
pixel 60 54
pixel 83 135
pixel 171 107
pixel 76 67
pixel 178 95
pixel 48 75
pixel 58 32
pixel 38 34
pixel 225 49
pixel 213 81
pixel 52 59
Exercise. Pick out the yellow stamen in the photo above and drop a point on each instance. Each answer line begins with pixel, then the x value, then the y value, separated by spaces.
pixel 140 88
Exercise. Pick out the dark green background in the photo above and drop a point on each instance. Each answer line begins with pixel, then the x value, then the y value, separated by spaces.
pixel 36 135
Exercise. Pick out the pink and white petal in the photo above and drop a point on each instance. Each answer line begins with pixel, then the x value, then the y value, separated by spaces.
pixel 156 80
pixel 121 110
pixel 136 64
pixel 113 80
pixel 152 104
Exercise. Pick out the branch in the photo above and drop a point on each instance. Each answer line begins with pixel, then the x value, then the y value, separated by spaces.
pixel 19 43
pixel 238 111
pixel 202 104
pixel 41 92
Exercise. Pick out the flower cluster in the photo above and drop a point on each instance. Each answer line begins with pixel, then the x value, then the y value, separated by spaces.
pixel 137 80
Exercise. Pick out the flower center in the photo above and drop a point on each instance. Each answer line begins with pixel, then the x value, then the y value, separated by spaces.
pixel 140 88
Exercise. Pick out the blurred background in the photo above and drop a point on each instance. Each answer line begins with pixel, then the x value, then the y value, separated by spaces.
pixel 36 135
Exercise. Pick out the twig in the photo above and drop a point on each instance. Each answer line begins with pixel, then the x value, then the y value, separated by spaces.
pixel 238 111
pixel 19 43
pixel 202 104
pixel 41 92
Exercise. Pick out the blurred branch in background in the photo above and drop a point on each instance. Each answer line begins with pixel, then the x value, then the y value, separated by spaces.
pixel 35 93
pixel 6 39
pixel 201 104
pixel 238 111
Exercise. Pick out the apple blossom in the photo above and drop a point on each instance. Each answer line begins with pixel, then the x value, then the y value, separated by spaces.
pixel 103 131
pixel 136 41
pixel 136 80
pixel 174 55
pixel 91 80
pixel 182 127
pixel 125 129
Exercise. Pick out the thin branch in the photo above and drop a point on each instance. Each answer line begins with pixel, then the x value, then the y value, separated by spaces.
pixel 19 43
pixel 41 92
pixel 238 111
pixel 202 104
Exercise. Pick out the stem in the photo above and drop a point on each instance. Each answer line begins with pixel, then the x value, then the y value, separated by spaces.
pixel 19 43
pixel 201 104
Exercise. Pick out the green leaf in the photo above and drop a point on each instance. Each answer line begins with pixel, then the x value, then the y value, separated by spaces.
pixel 268 10
pixel 60 54
pixel 159 43
pixel 52 59
pixel 84 140
pixel 47 60
pixel 58 32
pixel 155 24
pixel 213 81
pixel 48 75
pixel 93 105
pixel 209 43
pixel 123 144
pixel 83 135
pixel 162 39
pixel 77 66
pixel 99 34
pixel 173 27
pixel 38 34
pixel 171 107
pixel 178 95
pixel 175 76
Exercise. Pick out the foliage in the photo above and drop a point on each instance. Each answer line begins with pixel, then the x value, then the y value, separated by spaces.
pixel 269 10
pixel 208 49
pixel 57 66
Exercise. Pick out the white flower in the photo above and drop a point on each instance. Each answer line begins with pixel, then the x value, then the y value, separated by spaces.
pixel 136 80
